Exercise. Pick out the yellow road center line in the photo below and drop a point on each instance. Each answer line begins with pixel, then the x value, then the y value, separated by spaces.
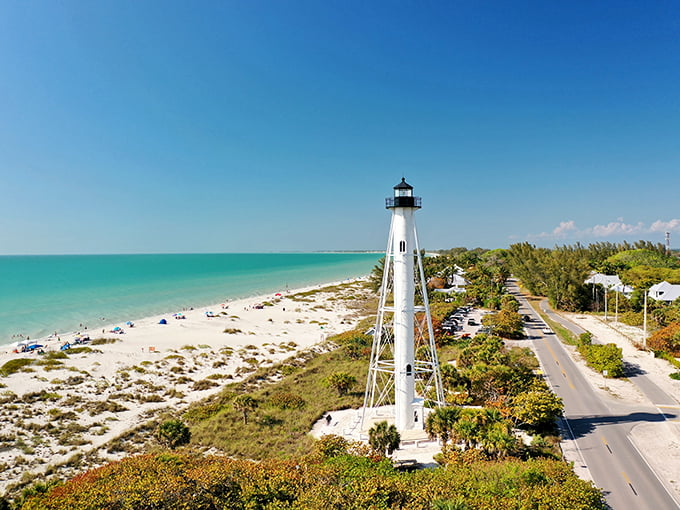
pixel 552 353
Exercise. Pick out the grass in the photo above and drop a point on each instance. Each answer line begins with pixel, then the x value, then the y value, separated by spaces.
pixel 273 431
pixel 15 365
pixel 668 357
pixel 103 341
pixel 80 350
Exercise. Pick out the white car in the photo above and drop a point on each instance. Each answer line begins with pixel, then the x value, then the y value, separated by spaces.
pixel 547 331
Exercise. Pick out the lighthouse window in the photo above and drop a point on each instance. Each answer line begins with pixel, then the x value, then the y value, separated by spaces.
pixel 402 246
pixel 408 369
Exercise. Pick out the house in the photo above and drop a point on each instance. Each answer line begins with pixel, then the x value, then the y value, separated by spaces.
pixel 611 282
pixel 664 291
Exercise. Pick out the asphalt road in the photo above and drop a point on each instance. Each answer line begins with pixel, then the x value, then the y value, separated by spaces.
pixel 600 431
pixel 633 373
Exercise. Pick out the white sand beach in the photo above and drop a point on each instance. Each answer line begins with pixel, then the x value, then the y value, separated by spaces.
pixel 55 408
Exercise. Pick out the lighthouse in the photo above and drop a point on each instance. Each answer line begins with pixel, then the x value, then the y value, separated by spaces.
pixel 403 376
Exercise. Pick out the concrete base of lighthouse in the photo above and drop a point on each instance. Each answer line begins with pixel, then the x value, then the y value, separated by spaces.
pixel 415 444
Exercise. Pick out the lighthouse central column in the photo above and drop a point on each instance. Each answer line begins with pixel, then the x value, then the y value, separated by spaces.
pixel 404 292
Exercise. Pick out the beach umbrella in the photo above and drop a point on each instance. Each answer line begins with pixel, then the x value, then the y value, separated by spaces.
pixel 128 323
pixel 162 321
pixel 278 294
pixel 117 328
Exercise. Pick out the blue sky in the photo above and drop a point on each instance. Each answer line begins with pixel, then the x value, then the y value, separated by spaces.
pixel 164 126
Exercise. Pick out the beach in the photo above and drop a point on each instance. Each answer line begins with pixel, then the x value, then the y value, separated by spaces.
pixel 67 404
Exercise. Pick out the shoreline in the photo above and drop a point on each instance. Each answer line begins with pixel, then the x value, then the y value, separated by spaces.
pixel 73 408
pixel 104 330
pixel 65 294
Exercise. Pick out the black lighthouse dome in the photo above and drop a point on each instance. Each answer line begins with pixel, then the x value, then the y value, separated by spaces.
pixel 403 196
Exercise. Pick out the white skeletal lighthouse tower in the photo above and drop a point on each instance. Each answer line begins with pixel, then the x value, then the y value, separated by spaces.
pixel 403 375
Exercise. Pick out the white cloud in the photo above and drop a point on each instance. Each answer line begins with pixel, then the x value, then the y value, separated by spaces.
pixel 665 226
pixel 564 228
pixel 569 229
pixel 616 228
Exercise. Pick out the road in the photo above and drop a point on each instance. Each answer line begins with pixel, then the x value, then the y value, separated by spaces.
pixel 600 431
pixel 643 383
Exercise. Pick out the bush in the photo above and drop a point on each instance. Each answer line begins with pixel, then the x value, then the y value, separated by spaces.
pixel 14 365
pixel 585 338
pixel 506 324
pixel 287 400
pixel 607 357
pixel 204 384
pixel 631 318
pixel 79 350
pixel 173 433
pixel 331 445
pixel 102 341
pixel 666 339
pixel 341 381
pixel 170 480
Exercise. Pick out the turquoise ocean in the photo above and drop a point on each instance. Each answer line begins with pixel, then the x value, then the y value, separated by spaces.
pixel 43 294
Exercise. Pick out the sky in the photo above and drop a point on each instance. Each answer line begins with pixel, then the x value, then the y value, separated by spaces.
pixel 258 126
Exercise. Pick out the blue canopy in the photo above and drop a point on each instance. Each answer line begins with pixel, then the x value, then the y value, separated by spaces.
pixel 162 321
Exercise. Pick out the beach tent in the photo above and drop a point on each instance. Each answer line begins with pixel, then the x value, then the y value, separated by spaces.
pixel 162 321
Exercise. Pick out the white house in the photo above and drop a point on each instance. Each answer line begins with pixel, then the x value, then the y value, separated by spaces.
pixel 611 282
pixel 664 291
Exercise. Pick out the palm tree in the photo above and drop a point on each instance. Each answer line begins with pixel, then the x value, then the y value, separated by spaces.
pixel 440 422
pixel 498 439
pixel 244 403
pixel 384 438
pixel 466 430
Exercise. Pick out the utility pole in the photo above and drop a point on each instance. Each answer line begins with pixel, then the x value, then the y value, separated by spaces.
pixel 616 313
pixel 644 322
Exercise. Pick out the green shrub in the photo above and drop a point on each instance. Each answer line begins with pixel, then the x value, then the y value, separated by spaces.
pixel 286 400
pixel 80 350
pixel 56 355
pixel 607 357
pixel 102 341
pixel 585 338
pixel 14 365
pixel 40 396
pixel 204 384
pixel 173 433
pixel 632 318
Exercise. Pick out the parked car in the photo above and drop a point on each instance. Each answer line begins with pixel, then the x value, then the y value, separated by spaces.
pixel 547 331
pixel 471 322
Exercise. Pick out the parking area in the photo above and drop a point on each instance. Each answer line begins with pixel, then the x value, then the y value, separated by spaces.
pixel 466 320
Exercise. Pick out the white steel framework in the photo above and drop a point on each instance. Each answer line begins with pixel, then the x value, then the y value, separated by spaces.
pixel 403 374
